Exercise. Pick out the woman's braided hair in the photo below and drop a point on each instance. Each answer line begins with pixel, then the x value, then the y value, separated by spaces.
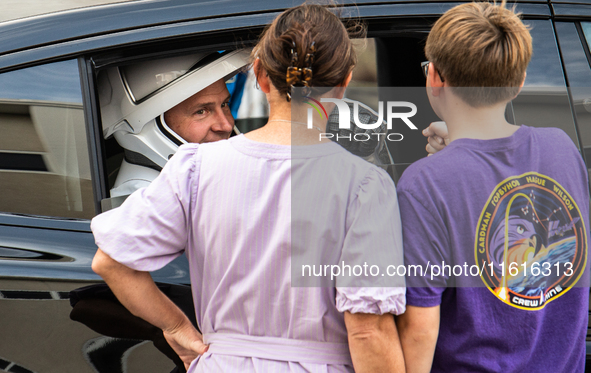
pixel 307 46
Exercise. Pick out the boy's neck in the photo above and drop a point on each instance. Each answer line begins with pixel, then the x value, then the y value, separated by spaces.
pixel 484 123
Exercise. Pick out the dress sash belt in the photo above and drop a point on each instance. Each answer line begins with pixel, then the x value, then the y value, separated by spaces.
pixel 282 349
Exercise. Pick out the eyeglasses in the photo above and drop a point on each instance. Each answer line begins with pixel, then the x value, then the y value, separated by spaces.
pixel 425 67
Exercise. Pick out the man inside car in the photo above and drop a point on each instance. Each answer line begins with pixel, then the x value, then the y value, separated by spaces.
pixel 153 107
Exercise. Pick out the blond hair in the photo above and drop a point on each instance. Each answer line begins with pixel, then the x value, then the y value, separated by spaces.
pixel 481 45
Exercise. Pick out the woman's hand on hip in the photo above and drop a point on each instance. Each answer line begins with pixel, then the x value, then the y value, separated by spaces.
pixel 186 341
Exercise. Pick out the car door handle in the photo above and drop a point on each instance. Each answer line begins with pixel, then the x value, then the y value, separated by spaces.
pixel 14 253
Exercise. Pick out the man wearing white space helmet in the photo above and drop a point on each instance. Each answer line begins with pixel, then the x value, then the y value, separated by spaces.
pixel 153 107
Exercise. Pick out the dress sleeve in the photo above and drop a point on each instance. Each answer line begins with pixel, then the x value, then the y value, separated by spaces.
pixel 150 228
pixel 425 242
pixel 372 250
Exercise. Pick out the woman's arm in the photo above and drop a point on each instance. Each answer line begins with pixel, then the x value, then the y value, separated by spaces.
pixel 374 343
pixel 139 294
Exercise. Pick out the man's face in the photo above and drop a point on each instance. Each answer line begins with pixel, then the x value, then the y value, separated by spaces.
pixel 203 117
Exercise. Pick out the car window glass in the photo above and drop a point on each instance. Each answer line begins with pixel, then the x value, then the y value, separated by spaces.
pixel 573 53
pixel 586 27
pixel 543 101
pixel 365 74
pixel 578 73
pixel 44 166
pixel 544 68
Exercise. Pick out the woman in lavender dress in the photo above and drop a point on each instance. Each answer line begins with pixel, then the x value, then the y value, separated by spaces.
pixel 254 213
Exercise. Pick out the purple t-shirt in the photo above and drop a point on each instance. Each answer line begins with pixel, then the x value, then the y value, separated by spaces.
pixel 509 217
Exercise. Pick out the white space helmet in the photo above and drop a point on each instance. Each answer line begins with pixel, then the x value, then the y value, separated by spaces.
pixel 134 98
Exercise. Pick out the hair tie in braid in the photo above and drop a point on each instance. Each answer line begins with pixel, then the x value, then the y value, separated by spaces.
pixel 294 74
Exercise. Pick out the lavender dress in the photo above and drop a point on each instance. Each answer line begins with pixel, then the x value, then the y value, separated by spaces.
pixel 228 205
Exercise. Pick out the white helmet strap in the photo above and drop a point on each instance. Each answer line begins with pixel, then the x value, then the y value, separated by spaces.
pixel 168 132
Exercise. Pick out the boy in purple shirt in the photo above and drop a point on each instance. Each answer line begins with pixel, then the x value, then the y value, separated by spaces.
pixel 495 226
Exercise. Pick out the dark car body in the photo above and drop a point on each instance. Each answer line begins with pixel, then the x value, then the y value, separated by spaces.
pixel 55 164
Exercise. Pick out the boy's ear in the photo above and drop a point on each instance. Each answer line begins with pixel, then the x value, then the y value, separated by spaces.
pixel 522 83
pixel 434 80
pixel 262 76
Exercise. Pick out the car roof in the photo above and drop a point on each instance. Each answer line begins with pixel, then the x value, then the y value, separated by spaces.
pixel 15 9
pixel 119 15
pixel 88 28
pixel 85 22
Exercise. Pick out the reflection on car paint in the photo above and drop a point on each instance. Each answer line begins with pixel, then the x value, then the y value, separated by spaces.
pixel 109 355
